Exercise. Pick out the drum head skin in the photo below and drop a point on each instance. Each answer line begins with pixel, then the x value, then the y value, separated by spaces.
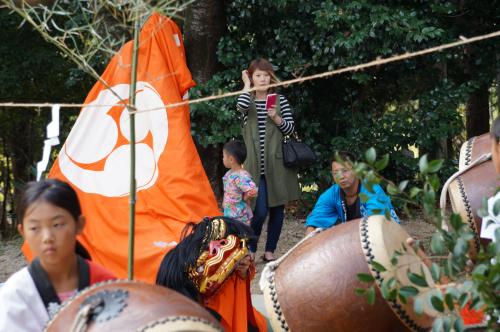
pixel 132 306
pixel 313 287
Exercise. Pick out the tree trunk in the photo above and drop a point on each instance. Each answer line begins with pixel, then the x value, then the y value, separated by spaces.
pixel 203 28
pixel 477 119
pixel 211 158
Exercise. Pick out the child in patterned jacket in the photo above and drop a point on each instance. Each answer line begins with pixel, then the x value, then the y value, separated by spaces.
pixel 239 188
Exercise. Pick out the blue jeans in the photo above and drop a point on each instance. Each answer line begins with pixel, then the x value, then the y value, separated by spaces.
pixel 276 215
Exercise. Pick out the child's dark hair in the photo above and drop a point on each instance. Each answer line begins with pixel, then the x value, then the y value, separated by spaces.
pixel 236 149
pixel 53 191
pixel 495 129
pixel 57 193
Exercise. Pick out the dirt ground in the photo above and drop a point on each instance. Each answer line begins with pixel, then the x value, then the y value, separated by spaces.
pixel 11 258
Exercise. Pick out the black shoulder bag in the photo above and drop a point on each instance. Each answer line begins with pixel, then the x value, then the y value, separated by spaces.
pixel 297 154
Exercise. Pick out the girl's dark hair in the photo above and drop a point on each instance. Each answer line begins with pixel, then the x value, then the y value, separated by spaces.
pixel 495 129
pixel 173 271
pixel 264 65
pixel 53 191
pixel 57 193
pixel 236 149
pixel 81 251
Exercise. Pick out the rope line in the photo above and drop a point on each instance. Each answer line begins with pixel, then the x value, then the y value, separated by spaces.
pixel 377 62
pixel 42 105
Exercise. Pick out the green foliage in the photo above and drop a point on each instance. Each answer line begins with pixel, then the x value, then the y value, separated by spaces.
pixel 413 103
pixel 88 32
pixel 370 296
pixel 417 279
pixel 463 281
pixel 31 70
pixel 408 291
pixel 377 266
pixel 220 118
pixel 363 277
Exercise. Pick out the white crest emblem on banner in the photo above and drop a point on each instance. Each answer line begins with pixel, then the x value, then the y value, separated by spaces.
pixel 94 138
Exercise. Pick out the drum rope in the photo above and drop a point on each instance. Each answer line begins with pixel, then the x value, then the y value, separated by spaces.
pixel 83 316
pixel 468 151
pixel 271 266
pixel 444 192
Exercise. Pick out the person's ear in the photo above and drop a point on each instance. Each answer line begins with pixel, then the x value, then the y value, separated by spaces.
pixel 80 224
pixel 20 229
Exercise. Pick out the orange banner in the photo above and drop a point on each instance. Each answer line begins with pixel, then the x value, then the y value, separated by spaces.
pixel 172 188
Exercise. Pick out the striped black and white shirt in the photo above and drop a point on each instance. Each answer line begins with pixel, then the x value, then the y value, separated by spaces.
pixel 286 127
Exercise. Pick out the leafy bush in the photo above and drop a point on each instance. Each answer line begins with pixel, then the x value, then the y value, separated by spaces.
pixel 413 103
pixel 461 280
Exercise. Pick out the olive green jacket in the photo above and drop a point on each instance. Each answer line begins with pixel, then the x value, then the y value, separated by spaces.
pixel 282 183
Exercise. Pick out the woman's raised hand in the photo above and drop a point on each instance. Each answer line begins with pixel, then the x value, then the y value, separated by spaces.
pixel 246 79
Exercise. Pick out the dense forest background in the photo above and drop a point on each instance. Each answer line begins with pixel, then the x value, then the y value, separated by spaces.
pixel 428 104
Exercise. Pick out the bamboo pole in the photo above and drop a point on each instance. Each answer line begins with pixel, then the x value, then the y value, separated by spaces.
pixel 133 80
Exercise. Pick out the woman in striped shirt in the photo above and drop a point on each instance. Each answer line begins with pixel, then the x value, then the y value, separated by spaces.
pixel 263 130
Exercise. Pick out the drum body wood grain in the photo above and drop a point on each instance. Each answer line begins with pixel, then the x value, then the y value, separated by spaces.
pixel 133 306
pixel 313 287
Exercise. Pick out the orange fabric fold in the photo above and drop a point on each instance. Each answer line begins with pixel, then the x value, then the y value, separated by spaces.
pixel 172 187
pixel 234 303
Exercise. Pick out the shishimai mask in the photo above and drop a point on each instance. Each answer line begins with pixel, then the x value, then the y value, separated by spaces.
pixel 206 256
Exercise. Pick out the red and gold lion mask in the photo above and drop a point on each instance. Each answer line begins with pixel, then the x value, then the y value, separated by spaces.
pixel 217 263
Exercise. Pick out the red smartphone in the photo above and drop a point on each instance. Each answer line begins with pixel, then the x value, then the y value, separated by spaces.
pixel 271 100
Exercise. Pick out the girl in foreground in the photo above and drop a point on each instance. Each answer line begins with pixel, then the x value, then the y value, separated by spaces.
pixel 50 218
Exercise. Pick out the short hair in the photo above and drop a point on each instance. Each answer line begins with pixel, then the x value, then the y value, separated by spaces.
pixel 495 129
pixel 345 156
pixel 237 150
pixel 53 191
pixel 264 65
